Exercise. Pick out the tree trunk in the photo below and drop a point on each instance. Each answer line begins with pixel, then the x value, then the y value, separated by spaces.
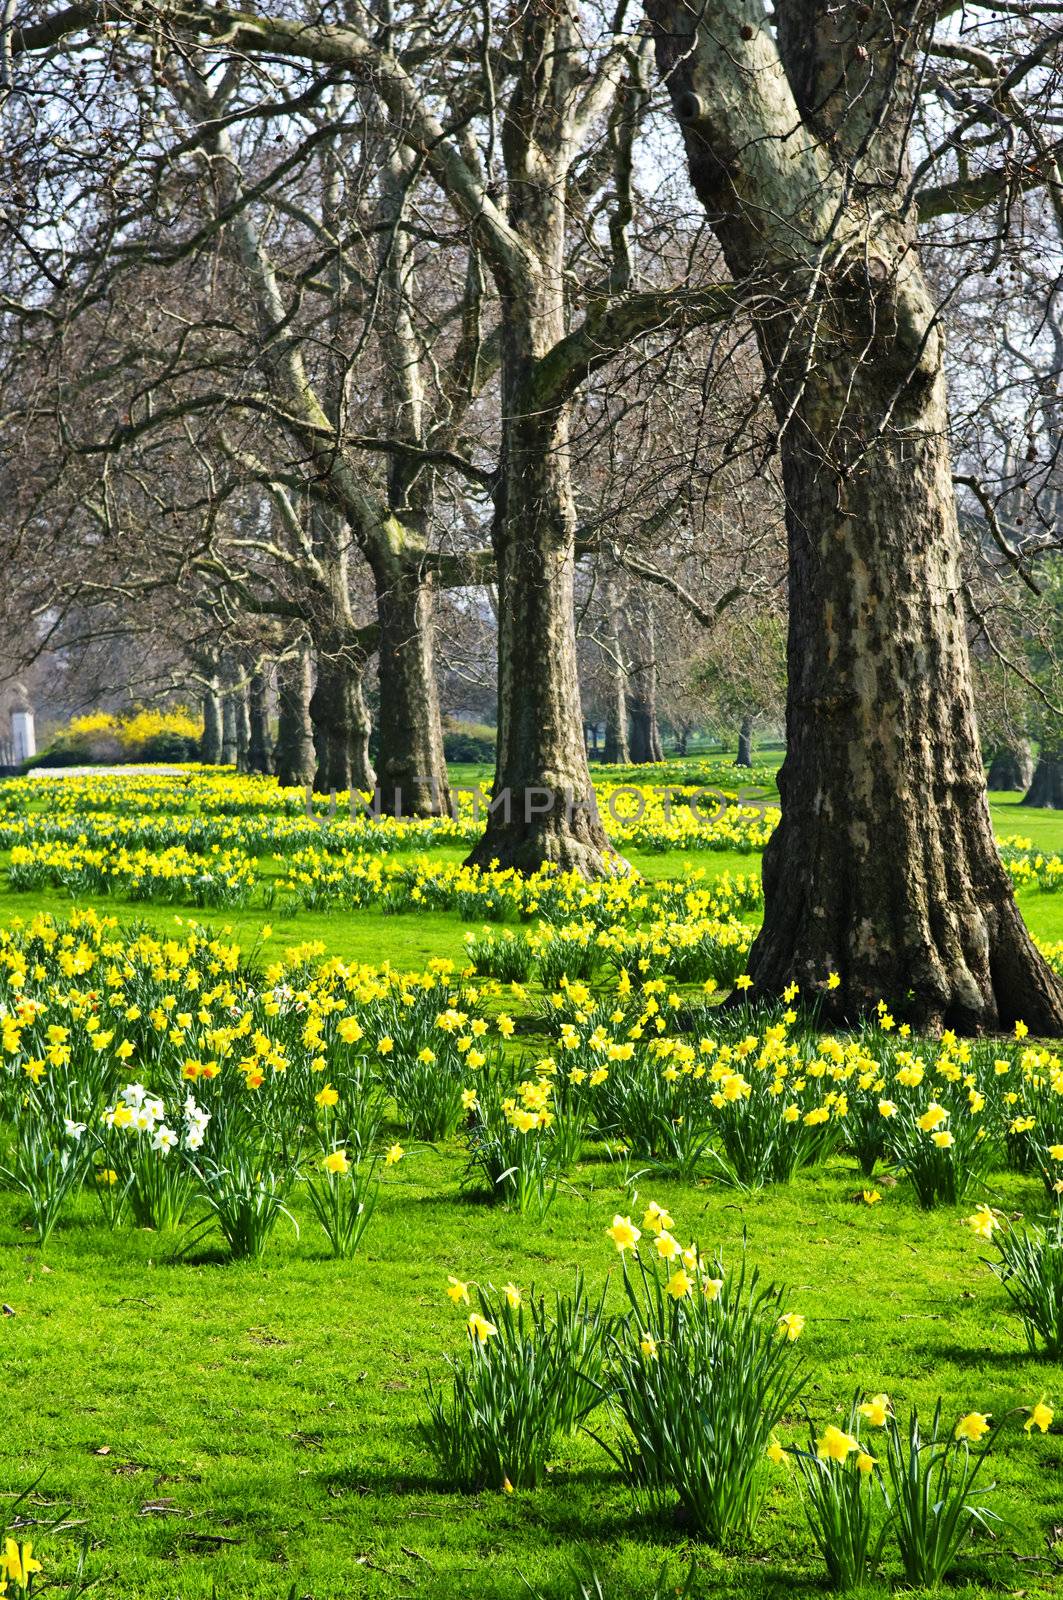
pixel 744 758
pixel 617 752
pixel 243 729
pixel 642 697
pixel 259 753
pixel 341 723
pixel 294 755
pixel 645 742
pixel 545 809
pixel 412 770
pixel 884 869
pixel 210 741
pixel 1046 787
pixel 228 729
pixel 1011 767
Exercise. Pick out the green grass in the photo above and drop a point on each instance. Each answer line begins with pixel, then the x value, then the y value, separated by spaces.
pixel 249 1429
pixel 252 1427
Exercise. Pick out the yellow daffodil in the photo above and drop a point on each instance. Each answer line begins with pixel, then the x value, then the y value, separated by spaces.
pixel 1040 1417
pixel 480 1330
pixel 876 1410
pixel 835 1445
pixel 624 1233
pixel 972 1426
pixel 982 1222
pixel 656 1218
pixel 19 1563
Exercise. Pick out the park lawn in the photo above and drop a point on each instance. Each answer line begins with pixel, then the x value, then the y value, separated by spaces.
pixel 246 1429
pixel 250 1430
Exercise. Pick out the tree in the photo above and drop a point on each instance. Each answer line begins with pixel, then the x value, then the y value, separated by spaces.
pixel 740 671
pixel 884 868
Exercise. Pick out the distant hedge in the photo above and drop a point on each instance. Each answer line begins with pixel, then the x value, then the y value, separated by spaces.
pixel 468 741
pixel 105 739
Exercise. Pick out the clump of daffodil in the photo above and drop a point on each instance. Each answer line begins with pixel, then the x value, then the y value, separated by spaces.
pixel 699 1353
pixel 531 1372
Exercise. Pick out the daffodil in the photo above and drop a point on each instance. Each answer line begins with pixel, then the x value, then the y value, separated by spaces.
pixel 656 1218
pixel 876 1410
pixel 19 1563
pixel 679 1284
pixel 791 1324
pixel 1040 1417
pixel 972 1426
pixel 982 1222
pixel 835 1445
pixel 457 1290
pixel 480 1330
pixel 624 1233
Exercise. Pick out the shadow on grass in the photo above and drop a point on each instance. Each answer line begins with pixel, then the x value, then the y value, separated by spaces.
pixel 963 1355
pixel 210 1256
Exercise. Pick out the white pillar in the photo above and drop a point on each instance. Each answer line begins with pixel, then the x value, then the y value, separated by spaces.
pixel 23 738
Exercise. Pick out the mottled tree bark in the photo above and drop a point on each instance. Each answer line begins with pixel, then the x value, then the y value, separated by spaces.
pixel 228 729
pixel 259 750
pixel 412 770
pixel 546 810
pixel 744 758
pixel 1046 786
pixel 884 868
pixel 210 742
pixel 642 693
pixel 296 762
pixel 341 724
pixel 243 728
pixel 617 752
